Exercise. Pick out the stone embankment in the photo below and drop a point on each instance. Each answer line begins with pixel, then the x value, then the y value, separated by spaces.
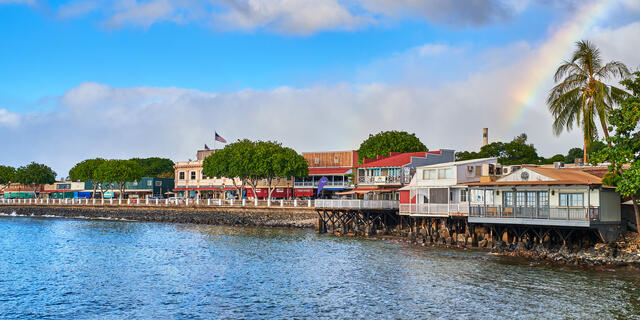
pixel 624 252
pixel 233 216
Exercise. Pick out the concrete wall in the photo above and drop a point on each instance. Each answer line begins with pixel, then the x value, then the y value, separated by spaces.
pixel 610 205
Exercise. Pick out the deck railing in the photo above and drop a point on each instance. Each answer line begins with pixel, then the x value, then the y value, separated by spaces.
pixel 356 204
pixel 435 208
pixel 552 213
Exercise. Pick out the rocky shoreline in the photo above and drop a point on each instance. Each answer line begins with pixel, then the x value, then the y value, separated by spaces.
pixel 257 217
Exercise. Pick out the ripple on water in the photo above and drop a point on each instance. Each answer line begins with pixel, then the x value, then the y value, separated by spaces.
pixel 59 268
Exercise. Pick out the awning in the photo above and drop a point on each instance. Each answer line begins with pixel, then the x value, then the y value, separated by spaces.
pixel 330 171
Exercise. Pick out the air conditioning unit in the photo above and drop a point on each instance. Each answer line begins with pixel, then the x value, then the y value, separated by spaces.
pixel 558 164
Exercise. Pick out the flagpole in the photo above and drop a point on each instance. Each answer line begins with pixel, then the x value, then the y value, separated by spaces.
pixel 214 140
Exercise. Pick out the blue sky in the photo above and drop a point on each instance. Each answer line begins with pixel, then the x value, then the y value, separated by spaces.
pixel 264 69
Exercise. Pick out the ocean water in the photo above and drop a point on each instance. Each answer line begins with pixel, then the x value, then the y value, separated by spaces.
pixel 54 268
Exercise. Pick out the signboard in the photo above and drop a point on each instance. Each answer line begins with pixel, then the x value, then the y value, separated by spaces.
pixel 380 179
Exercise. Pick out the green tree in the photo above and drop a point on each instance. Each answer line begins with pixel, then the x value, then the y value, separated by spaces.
pixel 156 167
pixel 276 162
pixel 236 161
pixel 35 175
pixel 554 159
pixel 118 172
pixel 386 142
pixel 86 171
pixel 573 154
pixel 624 147
pixel 7 175
pixel 581 94
pixel 515 152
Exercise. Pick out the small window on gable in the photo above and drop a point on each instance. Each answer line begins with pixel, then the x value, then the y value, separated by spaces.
pixel 336 160
pixel 316 160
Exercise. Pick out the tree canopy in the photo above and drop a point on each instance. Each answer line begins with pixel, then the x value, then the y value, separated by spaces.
pixel 155 167
pixel 7 174
pixel 118 171
pixel 35 174
pixel 624 148
pixel 85 170
pixel 515 152
pixel 252 161
pixel 385 142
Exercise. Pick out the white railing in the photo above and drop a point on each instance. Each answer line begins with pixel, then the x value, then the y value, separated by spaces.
pixel 435 208
pixel 550 213
pixel 355 204
pixel 176 202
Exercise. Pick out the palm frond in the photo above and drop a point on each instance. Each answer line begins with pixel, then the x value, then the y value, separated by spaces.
pixel 613 69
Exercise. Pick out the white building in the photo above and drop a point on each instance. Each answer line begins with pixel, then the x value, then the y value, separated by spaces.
pixel 441 190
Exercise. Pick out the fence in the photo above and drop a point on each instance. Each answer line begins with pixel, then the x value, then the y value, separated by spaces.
pixel 435 208
pixel 356 204
pixel 160 202
pixel 552 213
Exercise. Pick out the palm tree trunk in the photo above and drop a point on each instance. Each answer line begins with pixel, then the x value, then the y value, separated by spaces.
pixel 606 134
pixel 584 150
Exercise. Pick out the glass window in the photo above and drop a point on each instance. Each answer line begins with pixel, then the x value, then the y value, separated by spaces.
pixel 193 175
pixel 429 174
pixel 531 199
pixel 507 199
pixel 543 198
pixel 520 199
pixel 149 183
pixel 463 195
pixel 181 175
pixel 445 173
pixel 571 200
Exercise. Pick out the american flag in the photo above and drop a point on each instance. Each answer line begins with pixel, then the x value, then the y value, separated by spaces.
pixel 220 139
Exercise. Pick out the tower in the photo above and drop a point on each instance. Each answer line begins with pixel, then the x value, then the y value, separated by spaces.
pixel 485 136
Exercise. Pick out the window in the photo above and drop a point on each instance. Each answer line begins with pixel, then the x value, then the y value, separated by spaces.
pixel 316 160
pixel 204 176
pixel 543 198
pixel 531 199
pixel 193 175
pixel 463 195
pixel 445 173
pixel 571 200
pixel 520 199
pixel 507 199
pixel 149 183
pixel 181 175
pixel 336 160
pixel 429 174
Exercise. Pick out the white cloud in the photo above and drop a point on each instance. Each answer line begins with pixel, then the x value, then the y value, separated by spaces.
pixel 9 119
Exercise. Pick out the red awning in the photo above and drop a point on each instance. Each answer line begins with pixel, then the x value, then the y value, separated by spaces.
pixel 328 171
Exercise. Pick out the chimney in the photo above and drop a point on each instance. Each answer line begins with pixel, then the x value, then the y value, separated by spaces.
pixel 485 136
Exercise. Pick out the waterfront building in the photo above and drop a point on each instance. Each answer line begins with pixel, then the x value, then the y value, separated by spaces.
pixel 146 187
pixel 549 197
pixel 336 166
pixel 441 190
pixel 192 183
pixel 67 190
pixel 20 191
pixel 381 178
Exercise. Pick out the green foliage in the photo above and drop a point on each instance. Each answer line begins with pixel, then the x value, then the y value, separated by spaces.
pixel 515 152
pixel 573 154
pixel 85 170
pixel 155 167
pixel 118 171
pixel 251 161
pixel 7 174
pixel 556 158
pixel 35 174
pixel 625 146
pixel 386 142
pixel 581 96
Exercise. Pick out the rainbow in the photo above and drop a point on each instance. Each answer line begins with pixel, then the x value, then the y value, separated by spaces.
pixel 548 57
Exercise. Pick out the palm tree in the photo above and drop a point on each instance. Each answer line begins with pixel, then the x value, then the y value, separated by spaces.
pixel 580 94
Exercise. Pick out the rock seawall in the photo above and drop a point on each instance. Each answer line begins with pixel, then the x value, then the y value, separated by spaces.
pixel 263 217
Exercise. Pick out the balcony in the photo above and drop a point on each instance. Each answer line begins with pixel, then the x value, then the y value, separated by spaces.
pixel 330 184
pixel 375 180
pixel 435 209
pixel 559 216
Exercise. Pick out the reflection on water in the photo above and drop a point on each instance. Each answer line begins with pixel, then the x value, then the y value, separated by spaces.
pixel 57 268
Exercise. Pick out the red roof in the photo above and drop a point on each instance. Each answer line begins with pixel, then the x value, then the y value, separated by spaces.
pixel 394 160
pixel 328 171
